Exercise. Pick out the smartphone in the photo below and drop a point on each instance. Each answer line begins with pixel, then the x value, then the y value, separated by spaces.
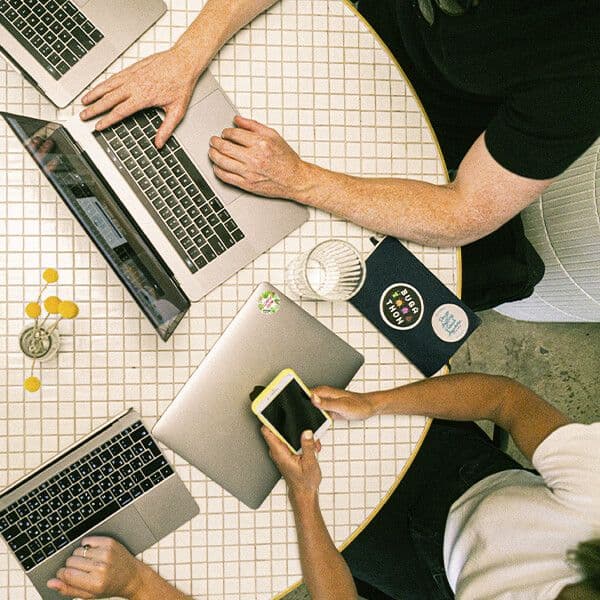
pixel 284 406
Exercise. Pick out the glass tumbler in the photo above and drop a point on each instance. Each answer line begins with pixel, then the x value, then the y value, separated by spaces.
pixel 332 270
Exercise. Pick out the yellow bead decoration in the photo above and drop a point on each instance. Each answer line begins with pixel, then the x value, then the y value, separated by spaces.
pixel 51 304
pixel 33 310
pixel 32 384
pixel 68 309
pixel 50 275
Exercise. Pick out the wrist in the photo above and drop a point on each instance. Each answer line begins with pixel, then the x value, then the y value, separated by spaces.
pixel 140 582
pixel 194 59
pixel 304 500
pixel 373 400
pixel 307 178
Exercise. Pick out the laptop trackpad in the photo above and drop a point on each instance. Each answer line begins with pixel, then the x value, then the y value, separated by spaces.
pixel 129 528
pixel 203 120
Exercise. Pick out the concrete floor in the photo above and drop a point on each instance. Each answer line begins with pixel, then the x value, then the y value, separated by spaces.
pixel 559 361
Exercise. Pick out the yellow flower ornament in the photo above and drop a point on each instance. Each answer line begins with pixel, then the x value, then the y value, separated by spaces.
pixel 51 304
pixel 68 309
pixel 32 384
pixel 50 275
pixel 33 310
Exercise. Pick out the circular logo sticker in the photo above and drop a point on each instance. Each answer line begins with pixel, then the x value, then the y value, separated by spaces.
pixel 401 306
pixel 268 303
pixel 450 322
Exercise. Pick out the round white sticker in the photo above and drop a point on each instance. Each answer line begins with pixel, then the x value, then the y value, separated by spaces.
pixel 450 322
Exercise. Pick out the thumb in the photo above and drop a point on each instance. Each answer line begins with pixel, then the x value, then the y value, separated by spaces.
pixel 309 449
pixel 173 116
pixel 328 403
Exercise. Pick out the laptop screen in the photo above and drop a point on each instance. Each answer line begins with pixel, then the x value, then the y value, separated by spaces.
pixel 105 220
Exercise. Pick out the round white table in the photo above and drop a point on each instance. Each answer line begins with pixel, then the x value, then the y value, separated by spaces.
pixel 312 70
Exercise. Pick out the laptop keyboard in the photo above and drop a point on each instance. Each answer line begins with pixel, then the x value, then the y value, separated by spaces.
pixel 172 189
pixel 55 32
pixel 80 497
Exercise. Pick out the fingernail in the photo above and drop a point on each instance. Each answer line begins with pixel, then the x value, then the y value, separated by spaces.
pixel 308 435
pixel 316 399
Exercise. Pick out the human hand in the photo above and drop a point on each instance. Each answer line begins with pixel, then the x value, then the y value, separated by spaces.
pixel 257 159
pixel 341 404
pixel 104 569
pixel 300 471
pixel 166 79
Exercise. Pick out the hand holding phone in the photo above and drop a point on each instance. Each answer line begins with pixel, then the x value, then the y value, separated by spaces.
pixel 285 407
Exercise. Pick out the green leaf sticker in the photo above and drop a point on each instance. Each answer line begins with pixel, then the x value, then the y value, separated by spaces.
pixel 269 303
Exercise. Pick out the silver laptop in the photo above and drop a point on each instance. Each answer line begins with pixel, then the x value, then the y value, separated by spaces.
pixel 166 225
pixel 114 482
pixel 61 46
pixel 210 423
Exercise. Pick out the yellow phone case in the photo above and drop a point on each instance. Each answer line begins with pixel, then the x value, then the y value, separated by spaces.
pixel 268 390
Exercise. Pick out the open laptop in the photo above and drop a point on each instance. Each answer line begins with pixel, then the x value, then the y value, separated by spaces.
pixel 61 46
pixel 167 226
pixel 210 422
pixel 114 482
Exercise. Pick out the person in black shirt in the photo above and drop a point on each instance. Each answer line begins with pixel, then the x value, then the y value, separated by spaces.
pixel 511 88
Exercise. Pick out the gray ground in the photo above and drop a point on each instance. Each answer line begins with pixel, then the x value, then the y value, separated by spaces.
pixel 557 360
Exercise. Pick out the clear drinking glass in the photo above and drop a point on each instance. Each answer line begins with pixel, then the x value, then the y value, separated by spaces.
pixel 332 270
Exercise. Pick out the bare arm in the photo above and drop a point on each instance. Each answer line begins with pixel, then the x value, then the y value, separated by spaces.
pixel 167 79
pixel 483 196
pixel 333 581
pixel 464 397
pixel 325 572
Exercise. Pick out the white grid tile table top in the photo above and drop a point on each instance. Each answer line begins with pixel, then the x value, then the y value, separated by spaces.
pixel 312 70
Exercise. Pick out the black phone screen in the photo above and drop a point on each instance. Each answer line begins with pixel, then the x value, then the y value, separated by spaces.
pixel 291 413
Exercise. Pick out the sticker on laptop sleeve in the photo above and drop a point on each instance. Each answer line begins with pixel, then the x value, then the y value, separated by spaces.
pixel 401 306
pixel 269 303
pixel 450 322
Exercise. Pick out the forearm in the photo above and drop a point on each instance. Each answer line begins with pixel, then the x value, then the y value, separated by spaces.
pixel 422 212
pixel 216 23
pixel 325 572
pixel 151 586
pixel 472 397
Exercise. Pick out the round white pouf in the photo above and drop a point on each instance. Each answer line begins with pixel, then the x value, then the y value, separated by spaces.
pixel 564 227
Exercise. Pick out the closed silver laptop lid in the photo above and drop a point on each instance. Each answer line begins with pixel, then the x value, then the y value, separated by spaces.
pixel 210 422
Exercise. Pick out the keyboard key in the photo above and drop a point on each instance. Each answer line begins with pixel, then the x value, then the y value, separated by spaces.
pixel 124 499
pixel 215 204
pixel 18 541
pixel 11 532
pixel 155 465
pixel 224 236
pixel 76 48
pixel 231 226
pixel 208 253
pixel 92 521
pixel 200 262
pixel 146 485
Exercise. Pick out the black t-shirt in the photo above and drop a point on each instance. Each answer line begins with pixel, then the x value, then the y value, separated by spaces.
pixel 537 62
